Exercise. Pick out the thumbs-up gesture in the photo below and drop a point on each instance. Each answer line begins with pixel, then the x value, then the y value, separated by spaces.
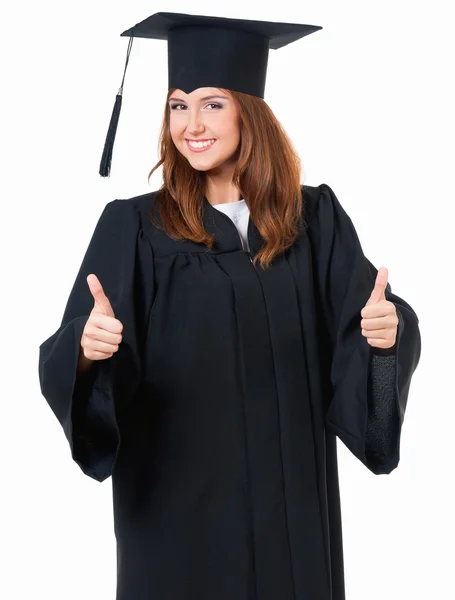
pixel 102 332
pixel 380 319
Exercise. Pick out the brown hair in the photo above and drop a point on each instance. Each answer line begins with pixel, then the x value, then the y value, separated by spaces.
pixel 267 174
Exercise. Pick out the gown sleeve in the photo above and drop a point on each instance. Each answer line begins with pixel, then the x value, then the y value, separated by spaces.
pixel 368 386
pixel 90 406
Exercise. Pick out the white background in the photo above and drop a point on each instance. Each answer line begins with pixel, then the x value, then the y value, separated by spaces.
pixel 368 103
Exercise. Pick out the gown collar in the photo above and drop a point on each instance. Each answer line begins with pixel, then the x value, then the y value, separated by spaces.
pixel 227 238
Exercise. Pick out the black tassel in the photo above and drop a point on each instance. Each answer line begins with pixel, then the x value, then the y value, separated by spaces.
pixel 105 165
pixel 106 159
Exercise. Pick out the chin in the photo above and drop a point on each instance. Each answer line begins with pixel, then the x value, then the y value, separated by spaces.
pixel 208 167
pixel 205 165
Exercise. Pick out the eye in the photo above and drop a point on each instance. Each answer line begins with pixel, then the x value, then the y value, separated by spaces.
pixel 215 104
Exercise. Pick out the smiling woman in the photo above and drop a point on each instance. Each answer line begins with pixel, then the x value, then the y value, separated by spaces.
pixel 211 373
pixel 224 150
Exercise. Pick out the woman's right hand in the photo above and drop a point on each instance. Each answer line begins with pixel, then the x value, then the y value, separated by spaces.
pixel 102 332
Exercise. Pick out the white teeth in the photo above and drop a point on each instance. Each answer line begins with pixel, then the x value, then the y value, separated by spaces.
pixel 201 144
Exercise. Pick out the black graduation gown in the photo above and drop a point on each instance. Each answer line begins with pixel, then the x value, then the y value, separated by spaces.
pixel 217 418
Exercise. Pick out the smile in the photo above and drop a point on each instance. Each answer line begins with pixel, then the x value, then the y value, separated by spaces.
pixel 200 146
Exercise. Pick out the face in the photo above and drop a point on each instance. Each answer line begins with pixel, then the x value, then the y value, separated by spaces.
pixel 209 116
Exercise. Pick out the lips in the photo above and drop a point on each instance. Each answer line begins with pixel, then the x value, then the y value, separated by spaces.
pixel 203 149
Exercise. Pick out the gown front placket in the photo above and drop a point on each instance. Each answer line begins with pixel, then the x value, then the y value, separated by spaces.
pixel 288 553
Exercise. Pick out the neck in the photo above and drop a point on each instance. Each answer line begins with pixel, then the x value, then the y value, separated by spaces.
pixel 220 189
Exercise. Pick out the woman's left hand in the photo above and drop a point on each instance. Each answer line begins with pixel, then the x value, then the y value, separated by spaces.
pixel 380 320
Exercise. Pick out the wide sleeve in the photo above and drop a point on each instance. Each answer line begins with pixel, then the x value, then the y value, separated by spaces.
pixel 368 388
pixel 90 406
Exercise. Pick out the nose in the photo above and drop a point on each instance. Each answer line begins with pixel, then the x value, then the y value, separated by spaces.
pixel 195 124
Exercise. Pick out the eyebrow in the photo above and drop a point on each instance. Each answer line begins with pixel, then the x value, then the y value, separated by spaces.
pixel 202 99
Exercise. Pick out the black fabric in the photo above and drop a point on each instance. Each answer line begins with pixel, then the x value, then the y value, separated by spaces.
pixel 382 434
pixel 88 408
pixel 206 51
pixel 218 416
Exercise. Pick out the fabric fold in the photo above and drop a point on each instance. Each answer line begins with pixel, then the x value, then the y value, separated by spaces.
pixel 345 280
pixel 90 406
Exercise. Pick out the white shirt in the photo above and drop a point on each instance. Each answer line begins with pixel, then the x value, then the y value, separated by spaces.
pixel 240 215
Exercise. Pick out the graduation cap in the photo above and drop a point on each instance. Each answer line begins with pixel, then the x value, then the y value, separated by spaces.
pixel 208 51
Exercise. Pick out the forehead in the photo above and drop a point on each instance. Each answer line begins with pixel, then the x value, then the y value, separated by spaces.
pixel 199 93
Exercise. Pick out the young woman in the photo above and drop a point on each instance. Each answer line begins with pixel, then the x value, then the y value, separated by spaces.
pixel 221 332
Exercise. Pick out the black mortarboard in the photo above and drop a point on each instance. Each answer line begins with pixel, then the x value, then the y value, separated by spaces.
pixel 209 52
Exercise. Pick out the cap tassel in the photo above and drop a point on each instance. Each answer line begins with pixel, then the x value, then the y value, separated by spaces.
pixel 106 159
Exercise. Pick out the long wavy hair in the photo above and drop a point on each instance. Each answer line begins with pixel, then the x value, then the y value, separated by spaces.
pixel 267 174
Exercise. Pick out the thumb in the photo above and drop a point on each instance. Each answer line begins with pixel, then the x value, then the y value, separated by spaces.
pixel 102 303
pixel 380 284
